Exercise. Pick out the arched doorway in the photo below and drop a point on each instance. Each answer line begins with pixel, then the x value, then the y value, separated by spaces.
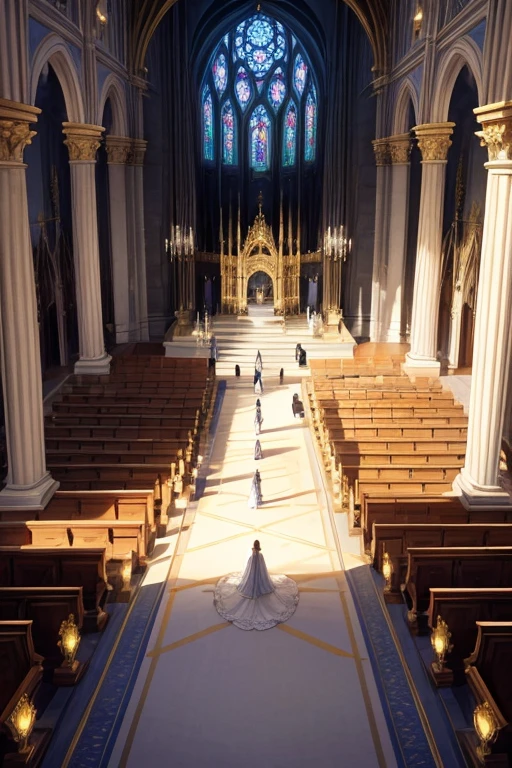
pixel 260 288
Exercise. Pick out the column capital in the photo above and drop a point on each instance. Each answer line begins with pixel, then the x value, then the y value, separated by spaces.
pixel 82 141
pixel 15 132
pixel 400 147
pixel 382 153
pixel 119 149
pixel 434 141
pixel 496 121
pixel 138 150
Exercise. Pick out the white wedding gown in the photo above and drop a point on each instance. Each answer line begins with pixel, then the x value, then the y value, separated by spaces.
pixel 254 599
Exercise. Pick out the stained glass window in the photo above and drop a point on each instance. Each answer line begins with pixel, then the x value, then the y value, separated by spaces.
pixel 260 41
pixel 311 122
pixel 243 88
pixel 259 84
pixel 259 131
pixel 300 71
pixel 220 74
pixel 290 135
pixel 277 89
pixel 228 134
pixel 207 124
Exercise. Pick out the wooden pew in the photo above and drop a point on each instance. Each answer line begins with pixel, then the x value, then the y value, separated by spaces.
pixel 102 505
pixel 14 534
pixel 396 538
pixel 20 669
pixel 461 608
pixel 488 673
pixel 119 538
pixel 453 567
pixel 46 608
pixel 41 567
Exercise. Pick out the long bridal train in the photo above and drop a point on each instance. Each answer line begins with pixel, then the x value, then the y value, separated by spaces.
pixel 254 599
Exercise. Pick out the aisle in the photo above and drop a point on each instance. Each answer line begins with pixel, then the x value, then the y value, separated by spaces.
pixel 300 694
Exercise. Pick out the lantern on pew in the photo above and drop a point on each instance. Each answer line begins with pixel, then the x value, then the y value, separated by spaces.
pixel 486 729
pixel 21 722
pixel 387 571
pixel 70 640
pixel 440 640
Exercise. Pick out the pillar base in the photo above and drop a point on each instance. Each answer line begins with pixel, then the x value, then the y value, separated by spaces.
pixel 37 496
pixel 421 366
pixel 94 366
pixel 473 496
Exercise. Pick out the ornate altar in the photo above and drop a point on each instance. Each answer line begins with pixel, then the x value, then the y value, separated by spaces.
pixel 259 253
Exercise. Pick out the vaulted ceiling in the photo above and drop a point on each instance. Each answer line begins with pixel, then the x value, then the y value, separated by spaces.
pixel 373 15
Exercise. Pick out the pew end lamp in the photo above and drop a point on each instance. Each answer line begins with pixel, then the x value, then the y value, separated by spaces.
pixel 440 640
pixel 71 670
pixel 31 743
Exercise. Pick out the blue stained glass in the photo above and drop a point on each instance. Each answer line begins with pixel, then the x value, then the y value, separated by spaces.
pixel 311 123
pixel 220 74
pixel 277 89
pixel 228 134
pixel 208 148
pixel 259 85
pixel 260 139
pixel 260 41
pixel 226 40
pixel 290 135
pixel 243 88
pixel 299 74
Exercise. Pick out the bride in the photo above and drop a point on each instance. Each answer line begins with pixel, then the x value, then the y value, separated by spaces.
pixel 254 599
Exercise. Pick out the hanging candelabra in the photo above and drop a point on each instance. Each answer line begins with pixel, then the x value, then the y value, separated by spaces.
pixel 336 244
pixel 180 247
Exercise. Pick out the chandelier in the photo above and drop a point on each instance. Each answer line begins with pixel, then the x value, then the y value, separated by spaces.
pixel 336 244
pixel 180 244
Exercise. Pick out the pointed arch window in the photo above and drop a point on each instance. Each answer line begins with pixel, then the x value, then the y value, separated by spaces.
pixel 290 136
pixel 277 89
pixel 259 132
pixel 229 155
pixel 259 87
pixel 208 148
pixel 311 119
pixel 220 74
pixel 243 88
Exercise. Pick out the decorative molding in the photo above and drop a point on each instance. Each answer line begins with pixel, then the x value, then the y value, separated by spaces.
pixel 434 141
pixel 382 154
pixel 82 141
pixel 496 133
pixel 207 258
pixel 15 132
pixel 400 148
pixel 119 150
pixel 311 257
pixel 138 151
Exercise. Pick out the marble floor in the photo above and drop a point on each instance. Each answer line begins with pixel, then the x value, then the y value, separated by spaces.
pixel 300 694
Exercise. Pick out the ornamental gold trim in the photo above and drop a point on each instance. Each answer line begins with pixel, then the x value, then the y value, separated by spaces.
pixel 15 132
pixel 496 133
pixel 400 148
pixel 382 153
pixel 82 141
pixel 434 141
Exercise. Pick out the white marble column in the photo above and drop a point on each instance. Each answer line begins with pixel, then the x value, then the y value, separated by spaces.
pixel 434 142
pixel 28 485
pixel 141 291
pixel 478 481
pixel 390 312
pixel 83 142
pixel 119 151
pixel 382 201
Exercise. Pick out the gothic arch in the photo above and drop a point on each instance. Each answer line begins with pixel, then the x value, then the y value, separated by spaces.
pixel 113 90
pixel 405 95
pixel 463 53
pixel 53 51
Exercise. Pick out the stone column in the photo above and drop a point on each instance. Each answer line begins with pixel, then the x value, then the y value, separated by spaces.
pixel 119 151
pixel 382 201
pixel 28 485
pixel 434 142
pixel 391 293
pixel 478 481
pixel 141 291
pixel 83 142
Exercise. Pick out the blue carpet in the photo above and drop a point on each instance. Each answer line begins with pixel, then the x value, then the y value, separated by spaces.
pixel 408 725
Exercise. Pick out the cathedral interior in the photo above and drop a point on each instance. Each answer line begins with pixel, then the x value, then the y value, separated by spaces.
pixel 254 269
